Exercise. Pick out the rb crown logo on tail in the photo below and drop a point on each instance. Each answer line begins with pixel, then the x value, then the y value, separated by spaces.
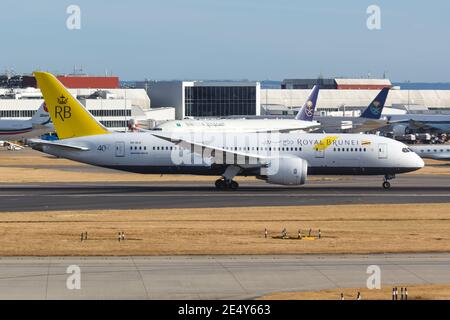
pixel 69 117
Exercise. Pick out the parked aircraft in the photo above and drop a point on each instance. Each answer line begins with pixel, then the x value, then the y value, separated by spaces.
pixel 303 121
pixel 406 123
pixel 432 151
pixel 16 130
pixel 369 120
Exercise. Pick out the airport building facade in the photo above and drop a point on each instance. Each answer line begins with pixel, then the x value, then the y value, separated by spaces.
pixel 201 99
pixel 114 108
pixel 111 105
pixel 156 101
pixel 351 102
pixel 341 96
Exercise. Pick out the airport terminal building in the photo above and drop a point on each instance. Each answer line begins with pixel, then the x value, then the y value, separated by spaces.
pixel 206 98
pixel 350 96
pixel 111 105
pixel 149 102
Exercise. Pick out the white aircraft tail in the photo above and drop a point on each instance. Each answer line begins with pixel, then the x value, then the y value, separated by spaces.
pixel 41 117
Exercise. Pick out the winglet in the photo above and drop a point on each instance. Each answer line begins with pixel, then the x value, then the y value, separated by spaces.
pixel 68 115
pixel 375 108
pixel 306 113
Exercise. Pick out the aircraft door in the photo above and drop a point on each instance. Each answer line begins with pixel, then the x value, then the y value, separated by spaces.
pixel 382 151
pixel 120 149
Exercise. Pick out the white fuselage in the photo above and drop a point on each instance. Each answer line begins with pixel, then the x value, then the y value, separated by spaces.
pixel 235 125
pixel 142 152
pixel 432 151
pixel 15 130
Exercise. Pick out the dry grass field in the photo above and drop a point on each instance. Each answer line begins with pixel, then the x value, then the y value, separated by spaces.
pixel 345 229
pixel 415 292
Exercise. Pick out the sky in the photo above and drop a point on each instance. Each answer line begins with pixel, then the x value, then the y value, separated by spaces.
pixel 232 39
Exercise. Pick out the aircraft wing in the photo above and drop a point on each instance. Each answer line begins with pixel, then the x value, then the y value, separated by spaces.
pixel 419 124
pixel 367 125
pixel 284 130
pixel 287 130
pixel 250 160
pixel 38 144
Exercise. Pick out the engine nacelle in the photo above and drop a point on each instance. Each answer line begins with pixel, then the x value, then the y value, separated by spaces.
pixel 399 130
pixel 286 171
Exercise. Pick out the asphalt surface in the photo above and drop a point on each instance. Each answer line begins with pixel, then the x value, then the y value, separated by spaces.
pixel 210 277
pixel 345 190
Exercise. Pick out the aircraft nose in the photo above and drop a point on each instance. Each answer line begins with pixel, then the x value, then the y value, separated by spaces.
pixel 418 161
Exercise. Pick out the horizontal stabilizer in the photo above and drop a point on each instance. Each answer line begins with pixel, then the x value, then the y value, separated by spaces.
pixel 38 144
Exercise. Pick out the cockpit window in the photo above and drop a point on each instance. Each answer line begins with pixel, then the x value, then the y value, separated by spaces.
pixel 405 150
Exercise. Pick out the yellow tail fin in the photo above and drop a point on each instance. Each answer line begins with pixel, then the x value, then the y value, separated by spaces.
pixel 69 116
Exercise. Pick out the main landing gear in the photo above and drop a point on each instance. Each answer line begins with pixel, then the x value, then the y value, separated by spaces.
pixel 386 183
pixel 227 182
pixel 222 184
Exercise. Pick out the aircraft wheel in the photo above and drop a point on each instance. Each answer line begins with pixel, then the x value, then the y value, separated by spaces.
pixel 386 185
pixel 220 184
pixel 234 185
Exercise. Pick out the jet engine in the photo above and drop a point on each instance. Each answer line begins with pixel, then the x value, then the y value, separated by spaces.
pixel 285 171
pixel 399 130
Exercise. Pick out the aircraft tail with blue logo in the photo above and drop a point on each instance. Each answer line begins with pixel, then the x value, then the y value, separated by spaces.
pixel 41 116
pixel 306 113
pixel 375 108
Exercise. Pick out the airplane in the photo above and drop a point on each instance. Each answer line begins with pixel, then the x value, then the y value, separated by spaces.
pixel 432 151
pixel 369 120
pixel 277 158
pixel 16 130
pixel 404 124
pixel 302 121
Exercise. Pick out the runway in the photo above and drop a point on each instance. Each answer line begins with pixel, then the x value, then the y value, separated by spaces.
pixel 210 277
pixel 344 190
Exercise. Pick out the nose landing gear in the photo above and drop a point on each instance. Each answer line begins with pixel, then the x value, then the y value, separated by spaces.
pixel 386 183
